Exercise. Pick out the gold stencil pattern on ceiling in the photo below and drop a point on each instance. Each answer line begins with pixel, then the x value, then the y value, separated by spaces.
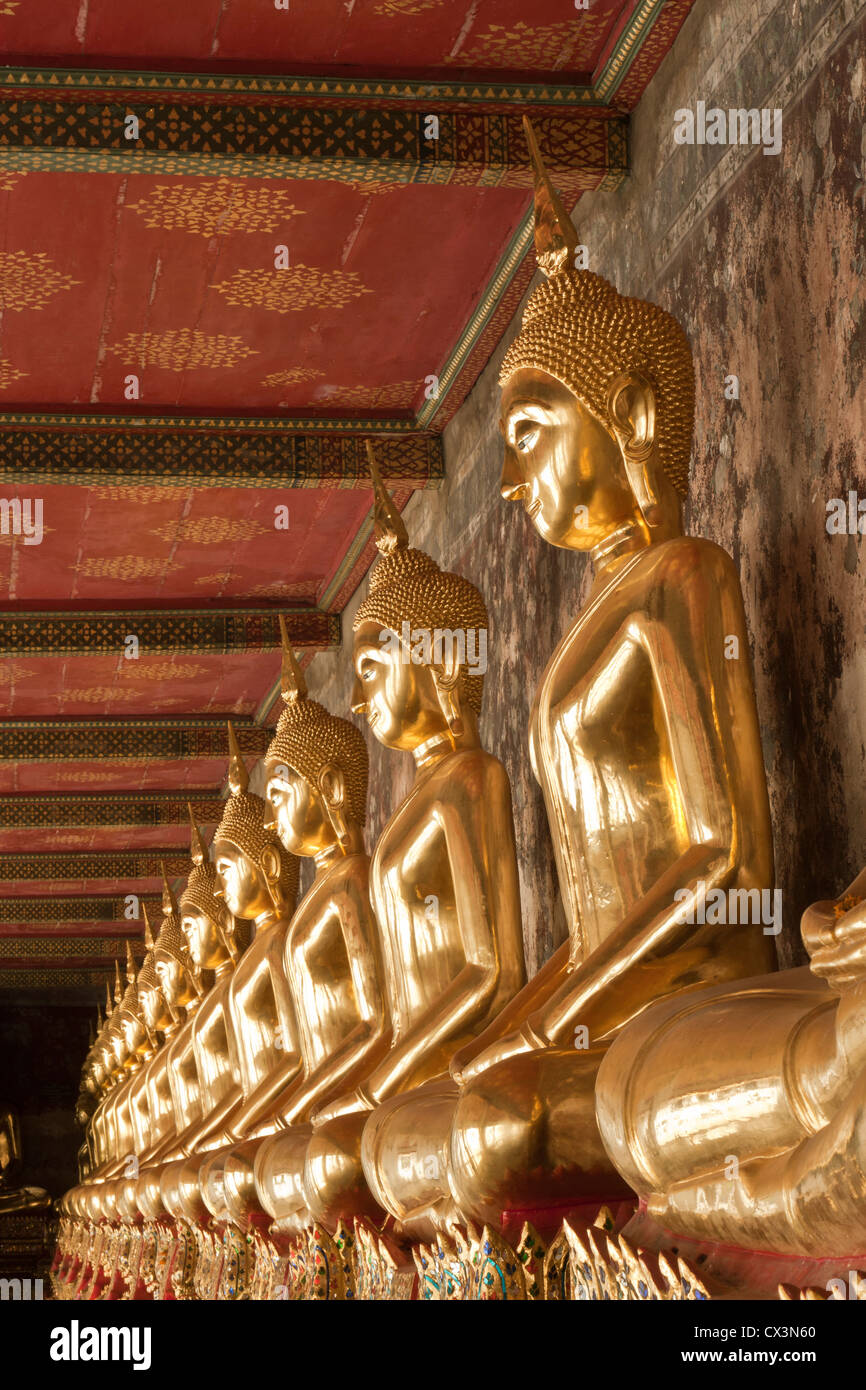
pixel 214 580
pixel 8 374
pixel 215 207
pixel 293 376
pixel 211 530
pixel 100 695
pixel 398 393
pixel 87 776
pixel 162 671
pixel 139 496
pixel 290 592
pixel 125 568
pixel 12 671
pixel 549 46
pixel 291 290
pixel 8 181
pixel 29 281
pixel 182 349
pixel 406 7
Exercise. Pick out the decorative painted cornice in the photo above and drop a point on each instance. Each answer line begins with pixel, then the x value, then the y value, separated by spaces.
pixel 317 89
pixel 92 450
pixel 102 741
pixel 199 631
pixel 42 911
pixel 42 130
pixel 124 864
pixel 124 811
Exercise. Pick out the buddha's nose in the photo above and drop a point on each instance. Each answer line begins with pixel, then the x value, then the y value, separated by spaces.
pixel 358 704
pixel 512 484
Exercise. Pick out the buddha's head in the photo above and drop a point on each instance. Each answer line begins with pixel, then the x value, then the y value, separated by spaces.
pixel 175 968
pixel 207 924
pixel 154 1010
pixel 115 1038
pixel 420 645
pixel 257 877
pixel 597 399
pixel 316 769
pixel 128 1018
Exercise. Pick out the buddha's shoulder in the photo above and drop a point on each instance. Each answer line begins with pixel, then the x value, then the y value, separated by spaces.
pixel 686 558
pixel 469 767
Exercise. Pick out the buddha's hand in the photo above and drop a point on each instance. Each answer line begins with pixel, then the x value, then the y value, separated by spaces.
pixel 350 1104
pixel 834 934
pixel 524 1039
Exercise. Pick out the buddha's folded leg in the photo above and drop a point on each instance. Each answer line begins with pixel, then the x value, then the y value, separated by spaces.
pixel 715 1074
pixel 279 1177
pixel 405 1155
pixel 525 1137
pixel 241 1197
pixel 335 1188
pixel 810 1200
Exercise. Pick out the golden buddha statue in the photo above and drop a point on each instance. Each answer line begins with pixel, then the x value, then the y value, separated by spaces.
pixel 737 1113
pixel 443 882
pixel 643 735
pixel 16 1198
pixel 241 1036
pixel 316 768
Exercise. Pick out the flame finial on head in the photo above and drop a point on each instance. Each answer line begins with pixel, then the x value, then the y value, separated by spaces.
pixel 148 931
pixel 239 778
pixel 555 236
pixel 197 848
pixel 118 983
pixel 98 1019
pixel 109 1005
pixel 169 902
pixel 293 685
pixel 390 528
pixel 130 962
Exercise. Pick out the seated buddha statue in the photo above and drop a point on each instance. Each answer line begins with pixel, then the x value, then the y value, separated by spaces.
pixel 12 1196
pixel 738 1113
pixel 244 1033
pixel 170 987
pixel 644 734
pixel 316 768
pixel 108 1121
pixel 150 1094
pixel 443 882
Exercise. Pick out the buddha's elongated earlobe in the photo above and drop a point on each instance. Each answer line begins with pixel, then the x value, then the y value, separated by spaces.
pixel 631 404
pixel 269 863
pixel 446 678
pixel 332 787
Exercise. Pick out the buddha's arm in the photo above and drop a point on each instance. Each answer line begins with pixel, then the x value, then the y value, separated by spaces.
pixel 476 821
pixel 219 1113
pixel 260 1104
pixel 371 1035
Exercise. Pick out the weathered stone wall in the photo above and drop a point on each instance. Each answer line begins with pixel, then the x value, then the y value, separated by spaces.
pixel 762 260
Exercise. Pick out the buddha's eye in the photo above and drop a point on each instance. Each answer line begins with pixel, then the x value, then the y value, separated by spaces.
pixel 527 438
pixel 368 671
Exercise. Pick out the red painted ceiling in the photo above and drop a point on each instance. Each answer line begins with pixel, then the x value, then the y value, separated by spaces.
pixel 377 37
pixel 173 280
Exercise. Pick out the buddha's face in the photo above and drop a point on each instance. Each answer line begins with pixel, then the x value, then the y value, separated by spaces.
pixel 299 815
pixel 396 694
pixel 118 1048
pixel 172 977
pixel 152 1007
pixel 203 939
pixel 563 465
pixel 244 888
pixel 133 1034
